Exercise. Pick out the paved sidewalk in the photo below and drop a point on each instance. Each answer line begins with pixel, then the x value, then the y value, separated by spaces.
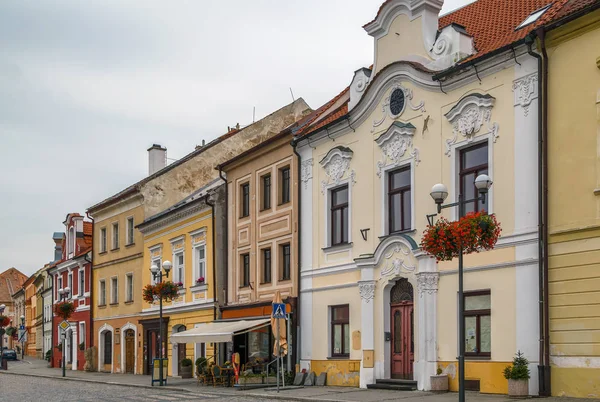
pixel 34 367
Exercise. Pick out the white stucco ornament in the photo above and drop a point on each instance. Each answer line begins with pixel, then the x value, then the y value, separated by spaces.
pixel 397 92
pixel 427 282
pixel 525 90
pixel 336 164
pixel 468 116
pixel 394 267
pixel 306 171
pixel 366 290
pixel 394 144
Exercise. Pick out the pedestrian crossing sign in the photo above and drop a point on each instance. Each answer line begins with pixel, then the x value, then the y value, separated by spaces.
pixel 278 310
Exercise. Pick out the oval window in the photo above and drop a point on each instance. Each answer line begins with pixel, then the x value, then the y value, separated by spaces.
pixel 397 102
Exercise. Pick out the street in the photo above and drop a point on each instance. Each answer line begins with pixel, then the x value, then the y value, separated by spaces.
pixel 25 389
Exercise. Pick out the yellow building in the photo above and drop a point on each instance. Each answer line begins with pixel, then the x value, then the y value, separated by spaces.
pixel 183 234
pixel 116 281
pixel 573 137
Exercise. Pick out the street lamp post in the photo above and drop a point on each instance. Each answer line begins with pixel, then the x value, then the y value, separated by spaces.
pixel 63 294
pixel 439 192
pixel 22 338
pixel 157 274
pixel 2 307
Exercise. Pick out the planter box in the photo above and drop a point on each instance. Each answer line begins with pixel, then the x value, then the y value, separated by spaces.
pixel 199 288
pixel 439 383
pixel 518 388
pixel 186 372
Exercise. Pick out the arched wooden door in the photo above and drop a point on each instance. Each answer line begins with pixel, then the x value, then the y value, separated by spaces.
pixel 129 351
pixel 402 329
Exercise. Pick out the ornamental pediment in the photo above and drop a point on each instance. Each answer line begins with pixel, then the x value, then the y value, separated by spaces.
pixel 395 143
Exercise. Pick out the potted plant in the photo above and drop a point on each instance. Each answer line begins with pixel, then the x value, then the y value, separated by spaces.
pixel 200 281
pixel 59 347
pixel 168 291
pixel 518 376
pixel 186 368
pixel 439 382
pixel 82 346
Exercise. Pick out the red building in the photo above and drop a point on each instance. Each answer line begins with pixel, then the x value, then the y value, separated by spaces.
pixel 73 272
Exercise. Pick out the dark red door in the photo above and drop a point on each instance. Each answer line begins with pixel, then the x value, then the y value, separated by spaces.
pixel 403 353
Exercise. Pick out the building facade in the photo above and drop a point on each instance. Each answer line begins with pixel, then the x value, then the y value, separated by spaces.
pixel 373 304
pixel 262 189
pixel 11 281
pixel 73 272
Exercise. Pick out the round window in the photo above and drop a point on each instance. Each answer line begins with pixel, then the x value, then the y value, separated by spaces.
pixel 397 102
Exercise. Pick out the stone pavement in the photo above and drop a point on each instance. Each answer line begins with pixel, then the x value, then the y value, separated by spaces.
pixel 38 368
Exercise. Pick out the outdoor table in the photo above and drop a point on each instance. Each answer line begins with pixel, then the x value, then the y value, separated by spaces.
pixel 229 372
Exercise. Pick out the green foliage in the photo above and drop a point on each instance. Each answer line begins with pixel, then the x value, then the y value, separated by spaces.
pixel 10 331
pixel 289 377
pixel 49 354
pixel 439 371
pixel 186 362
pixel 519 369
pixel 201 361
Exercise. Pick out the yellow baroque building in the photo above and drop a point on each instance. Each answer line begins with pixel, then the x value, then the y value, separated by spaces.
pixel 183 234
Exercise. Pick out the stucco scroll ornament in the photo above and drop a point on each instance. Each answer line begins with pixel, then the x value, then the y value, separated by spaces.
pixel 395 266
pixel 387 110
pixel 427 282
pixel 468 116
pixel 306 171
pixel 394 144
pixel 366 290
pixel 336 163
pixel 525 90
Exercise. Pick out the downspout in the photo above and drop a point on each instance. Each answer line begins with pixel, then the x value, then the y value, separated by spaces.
pixel 214 257
pixel 226 235
pixel 297 345
pixel 91 329
pixel 547 372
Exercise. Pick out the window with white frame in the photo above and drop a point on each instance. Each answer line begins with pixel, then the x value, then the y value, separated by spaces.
pixel 399 200
pixel 473 162
pixel 81 282
pixel 130 230
pixel 339 219
pixel 115 235
pixel 129 287
pixel 179 274
pixel 200 266
pixel 158 262
pixel 103 240
pixel 82 333
pixel 70 284
pixel 71 241
pixel 59 284
pixel 102 296
pixel 114 290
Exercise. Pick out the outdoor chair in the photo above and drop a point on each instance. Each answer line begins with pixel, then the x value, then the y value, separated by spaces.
pixel 202 375
pixel 217 375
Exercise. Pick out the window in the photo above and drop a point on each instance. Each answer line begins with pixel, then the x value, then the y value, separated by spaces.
pixel 245 270
pixel 399 200
pixel 478 323
pixel 473 162
pixel 266 260
pixel 81 275
pixel 130 228
pixel 157 262
pixel 339 215
pixel 82 333
pixel 245 200
pixel 114 290
pixel 59 286
pixel 340 331
pixel 70 284
pixel 103 240
pixel 102 298
pixel 200 262
pixel 108 347
pixel 533 17
pixel 285 262
pixel 71 241
pixel 129 287
pixel 115 235
pixel 285 185
pixel 179 271
pixel 266 192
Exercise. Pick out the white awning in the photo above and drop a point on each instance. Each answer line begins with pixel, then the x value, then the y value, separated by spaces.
pixel 220 331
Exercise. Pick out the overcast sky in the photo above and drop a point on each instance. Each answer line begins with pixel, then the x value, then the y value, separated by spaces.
pixel 87 86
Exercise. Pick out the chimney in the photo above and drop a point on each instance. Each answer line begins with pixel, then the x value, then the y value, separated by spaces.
pixel 157 158
pixel 58 241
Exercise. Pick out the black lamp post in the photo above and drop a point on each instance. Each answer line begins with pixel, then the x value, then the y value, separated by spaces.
pixel 22 338
pixel 439 192
pixel 2 332
pixel 157 274
pixel 63 294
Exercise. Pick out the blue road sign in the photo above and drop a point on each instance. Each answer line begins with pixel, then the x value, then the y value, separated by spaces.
pixel 278 310
pixel 21 327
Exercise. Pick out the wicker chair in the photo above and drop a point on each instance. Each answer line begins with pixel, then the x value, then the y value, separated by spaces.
pixel 202 374
pixel 217 376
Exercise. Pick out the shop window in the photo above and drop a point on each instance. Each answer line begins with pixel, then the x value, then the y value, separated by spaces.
pixel 340 331
pixel 478 323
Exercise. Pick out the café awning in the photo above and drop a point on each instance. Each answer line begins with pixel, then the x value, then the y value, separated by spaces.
pixel 219 331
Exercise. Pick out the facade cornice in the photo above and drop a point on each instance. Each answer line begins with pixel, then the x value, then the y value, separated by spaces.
pixel 118 260
pixel 104 211
pixel 195 207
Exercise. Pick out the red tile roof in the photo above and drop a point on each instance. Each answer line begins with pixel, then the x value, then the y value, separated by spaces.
pixel 332 116
pixel 11 281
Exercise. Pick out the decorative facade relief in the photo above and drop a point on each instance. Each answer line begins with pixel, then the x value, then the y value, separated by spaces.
pixel 468 116
pixel 306 171
pixel 394 266
pixel 525 90
pixel 336 164
pixel 394 144
pixel 427 282
pixel 395 103
pixel 366 290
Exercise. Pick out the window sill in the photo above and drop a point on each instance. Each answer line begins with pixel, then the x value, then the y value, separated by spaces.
pixel 101 305
pixel 265 209
pixel 102 252
pixel 283 203
pixel 339 357
pixel 284 280
pixel 129 245
pixel 478 357
pixel 114 249
pixel 265 283
pixel 114 304
pixel 199 288
pixel 407 231
pixel 338 247
pixel 129 302
pixel 244 287
pixel 181 291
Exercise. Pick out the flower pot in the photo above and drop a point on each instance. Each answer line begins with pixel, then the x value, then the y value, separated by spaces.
pixel 518 388
pixel 439 383
pixel 186 372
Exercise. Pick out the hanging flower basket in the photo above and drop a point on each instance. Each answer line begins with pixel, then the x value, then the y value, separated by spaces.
pixel 4 321
pixel 64 310
pixel 167 291
pixel 476 231
pixel 10 331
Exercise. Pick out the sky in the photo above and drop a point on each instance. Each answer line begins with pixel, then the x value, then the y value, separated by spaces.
pixel 87 86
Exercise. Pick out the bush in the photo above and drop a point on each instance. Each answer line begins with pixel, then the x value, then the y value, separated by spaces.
pixel 49 355
pixel 201 361
pixel 519 369
pixel 186 362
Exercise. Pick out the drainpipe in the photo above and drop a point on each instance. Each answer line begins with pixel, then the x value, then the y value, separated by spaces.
pixel 226 235
pixel 214 257
pixel 91 326
pixel 297 345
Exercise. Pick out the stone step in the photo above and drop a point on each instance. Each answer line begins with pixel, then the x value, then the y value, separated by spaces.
pixel 392 387
pixel 397 381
